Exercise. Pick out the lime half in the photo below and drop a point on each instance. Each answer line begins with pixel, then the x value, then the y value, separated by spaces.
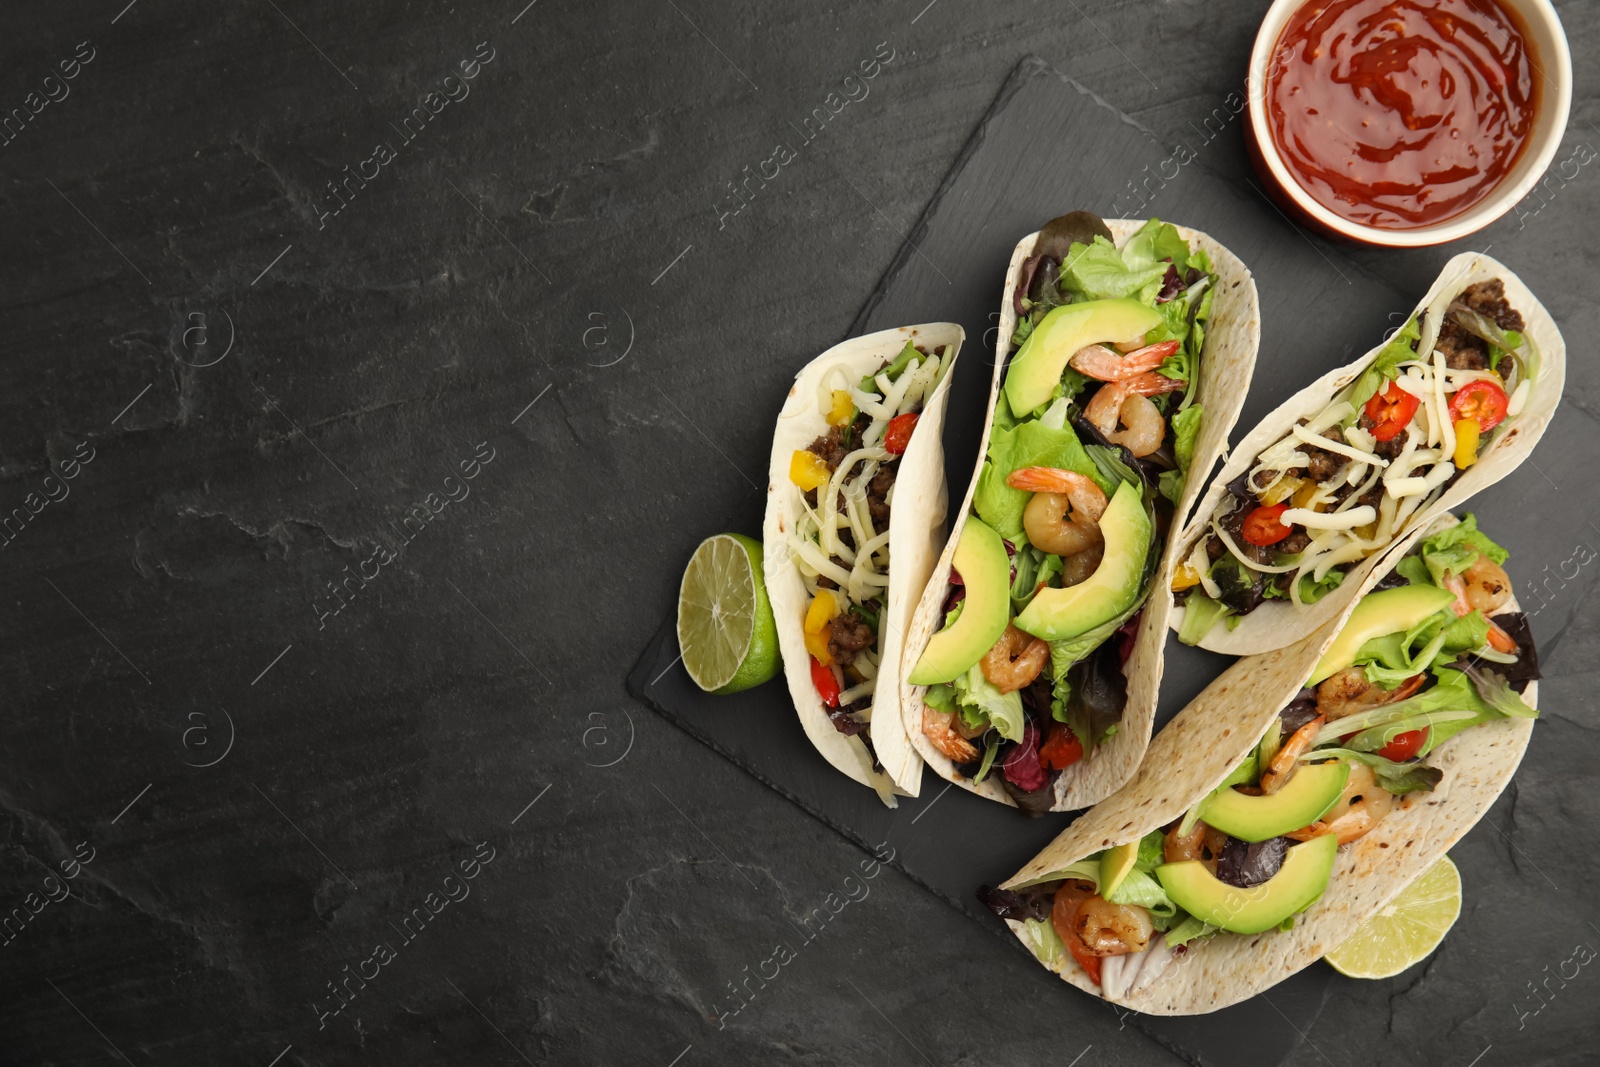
pixel 1408 928
pixel 725 627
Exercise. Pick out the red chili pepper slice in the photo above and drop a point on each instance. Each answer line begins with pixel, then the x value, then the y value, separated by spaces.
pixel 898 434
pixel 1481 400
pixel 1390 412
pixel 1262 527
pixel 827 685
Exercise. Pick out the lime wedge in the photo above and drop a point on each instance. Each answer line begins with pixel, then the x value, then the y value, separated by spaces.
pixel 725 626
pixel 1408 928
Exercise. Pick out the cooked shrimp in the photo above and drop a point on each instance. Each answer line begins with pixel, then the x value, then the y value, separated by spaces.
pixel 1015 660
pixel 1045 519
pixel 1151 384
pixel 1359 808
pixel 1488 587
pixel 938 728
pixel 1078 568
pixel 1108 929
pixel 1348 691
pixel 1098 361
pixel 1202 842
pixel 1143 428
pixel 1491 587
pixel 1501 641
pixel 1064 908
pixel 1282 765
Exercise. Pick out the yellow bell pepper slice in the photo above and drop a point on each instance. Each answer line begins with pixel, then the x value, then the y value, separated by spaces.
pixel 808 470
pixel 1467 434
pixel 843 412
pixel 1185 577
pixel 824 606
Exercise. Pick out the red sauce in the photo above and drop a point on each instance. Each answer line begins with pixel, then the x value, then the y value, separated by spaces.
pixel 1399 114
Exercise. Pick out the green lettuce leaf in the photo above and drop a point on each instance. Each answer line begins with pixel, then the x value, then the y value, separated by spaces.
pixel 1185 431
pixel 1154 242
pixel 1141 889
pixel 991 745
pixel 1040 936
pixel 1188 930
pixel 940 697
pixel 1098 272
pixel 1201 614
pixel 1385 368
pixel 1396 778
pixel 1002 710
pixel 1452 551
pixel 1152 849
pixel 1029 444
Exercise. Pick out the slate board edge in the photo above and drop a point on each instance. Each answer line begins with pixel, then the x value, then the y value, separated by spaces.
pixel 1028 68
pixel 650 661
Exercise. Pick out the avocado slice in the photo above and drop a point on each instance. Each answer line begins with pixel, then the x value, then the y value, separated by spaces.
pixel 1388 611
pixel 1058 614
pixel 1115 863
pixel 1036 368
pixel 985 569
pixel 1296 886
pixel 1304 798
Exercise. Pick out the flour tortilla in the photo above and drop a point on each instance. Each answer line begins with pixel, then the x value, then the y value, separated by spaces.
pixel 1192 756
pixel 916 531
pixel 1226 363
pixel 1280 622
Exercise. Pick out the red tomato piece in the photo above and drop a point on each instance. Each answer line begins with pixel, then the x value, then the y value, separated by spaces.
pixel 1065 908
pixel 1481 400
pixel 1405 745
pixel 898 433
pixel 827 685
pixel 1061 749
pixel 1262 526
pixel 1390 412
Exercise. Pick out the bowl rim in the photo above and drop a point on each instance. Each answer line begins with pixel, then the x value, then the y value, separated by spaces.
pixel 1557 105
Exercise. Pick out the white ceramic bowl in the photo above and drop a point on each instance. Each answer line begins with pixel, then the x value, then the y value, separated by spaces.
pixel 1549 46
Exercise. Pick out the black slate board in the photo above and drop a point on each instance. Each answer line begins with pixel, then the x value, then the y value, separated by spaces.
pixel 1050 145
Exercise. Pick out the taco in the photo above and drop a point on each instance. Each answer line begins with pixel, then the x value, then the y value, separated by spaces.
pixel 857 482
pixel 1298 795
pixel 1031 673
pixel 1311 497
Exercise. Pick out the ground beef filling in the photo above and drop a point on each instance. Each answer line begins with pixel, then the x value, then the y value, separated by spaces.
pixel 878 493
pixel 848 634
pixel 1464 350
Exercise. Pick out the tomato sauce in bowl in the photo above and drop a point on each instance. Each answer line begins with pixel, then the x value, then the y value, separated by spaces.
pixel 1401 114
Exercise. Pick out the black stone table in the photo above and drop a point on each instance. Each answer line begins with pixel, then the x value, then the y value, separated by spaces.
pixel 370 371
